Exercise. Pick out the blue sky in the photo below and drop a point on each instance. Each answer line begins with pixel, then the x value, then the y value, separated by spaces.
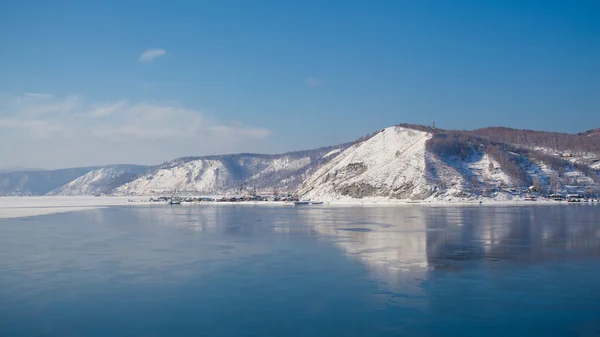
pixel 273 76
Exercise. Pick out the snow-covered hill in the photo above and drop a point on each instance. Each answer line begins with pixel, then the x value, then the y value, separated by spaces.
pixel 239 173
pixel 417 163
pixel 405 162
pixel 390 165
pixel 99 180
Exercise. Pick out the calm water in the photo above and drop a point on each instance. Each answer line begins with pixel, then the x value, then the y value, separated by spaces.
pixel 216 270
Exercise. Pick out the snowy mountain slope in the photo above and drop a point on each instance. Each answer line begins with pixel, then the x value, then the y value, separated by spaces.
pixel 238 173
pixel 196 175
pixel 99 180
pixel 420 163
pixel 390 164
pixel 405 162
pixel 451 176
pixel 582 148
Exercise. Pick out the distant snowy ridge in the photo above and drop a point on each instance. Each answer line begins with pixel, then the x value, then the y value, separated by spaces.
pixel 238 173
pixel 99 181
pixel 420 163
pixel 25 183
pixel 404 162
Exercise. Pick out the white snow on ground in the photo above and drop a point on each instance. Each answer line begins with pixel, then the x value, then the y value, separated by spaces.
pixel 331 153
pixel 196 175
pixel 596 166
pixel 90 183
pixel 456 177
pixel 281 164
pixel 384 164
pixel 486 172
pixel 206 176
pixel 396 166
pixel 15 207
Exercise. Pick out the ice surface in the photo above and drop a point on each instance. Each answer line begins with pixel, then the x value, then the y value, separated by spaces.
pixel 15 207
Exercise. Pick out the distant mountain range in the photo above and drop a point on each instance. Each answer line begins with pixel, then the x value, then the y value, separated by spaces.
pixel 71 181
pixel 405 162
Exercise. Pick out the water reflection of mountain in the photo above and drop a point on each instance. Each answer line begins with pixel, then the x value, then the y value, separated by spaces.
pixel 500 234
pixel 390 241
pixel 390 237
pixel 399 245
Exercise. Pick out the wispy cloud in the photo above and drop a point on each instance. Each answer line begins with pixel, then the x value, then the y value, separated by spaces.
pixel 107 109
pixel 38 95
pixel 151 54
pixel 313 81
pixel 125 118
pixel 79 132
pixel 44 106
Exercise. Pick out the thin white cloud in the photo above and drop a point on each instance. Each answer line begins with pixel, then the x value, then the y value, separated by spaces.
pixel 36 106
pixel 107 109
pixel 151 54
pixel 35 128
pixel 313 82
pixel 77 132
pixel 36 95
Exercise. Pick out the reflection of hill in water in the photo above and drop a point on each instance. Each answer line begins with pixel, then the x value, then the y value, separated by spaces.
pixel 390 241
pixel 398 244
pixel 500 234
pixel 401 244
pixel 390 237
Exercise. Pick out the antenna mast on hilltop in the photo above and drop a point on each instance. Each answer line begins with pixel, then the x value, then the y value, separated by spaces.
pixel 433 125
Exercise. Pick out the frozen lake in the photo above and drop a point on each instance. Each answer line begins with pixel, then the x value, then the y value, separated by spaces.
pixel 242 270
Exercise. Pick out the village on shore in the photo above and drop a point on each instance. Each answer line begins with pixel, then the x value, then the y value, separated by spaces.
pixel 189 199
pixel 291 198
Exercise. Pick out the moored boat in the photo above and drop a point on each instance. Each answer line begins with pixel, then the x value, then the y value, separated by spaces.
pixel 307 202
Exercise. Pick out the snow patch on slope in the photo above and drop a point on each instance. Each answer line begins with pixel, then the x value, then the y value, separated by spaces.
pixel 389 164
pixel 331 153
pixel 95 181
pixel 229 174
pixel 195 175
pixel 396 164
pixel 453 177
pixel 285 163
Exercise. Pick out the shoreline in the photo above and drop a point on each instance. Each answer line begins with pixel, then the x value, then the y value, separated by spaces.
pixel 20 207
